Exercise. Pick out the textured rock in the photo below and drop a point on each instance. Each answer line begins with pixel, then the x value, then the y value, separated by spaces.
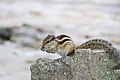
pixel 84 65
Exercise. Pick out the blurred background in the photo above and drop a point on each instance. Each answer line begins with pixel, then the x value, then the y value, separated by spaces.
pixel 24 23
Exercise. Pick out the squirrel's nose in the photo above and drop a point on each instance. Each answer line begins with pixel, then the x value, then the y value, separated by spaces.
pixel 42 48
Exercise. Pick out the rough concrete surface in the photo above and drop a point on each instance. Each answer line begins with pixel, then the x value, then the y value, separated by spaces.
pixel 83 65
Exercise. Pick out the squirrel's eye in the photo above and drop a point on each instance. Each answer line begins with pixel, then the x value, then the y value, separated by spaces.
pixel 48 41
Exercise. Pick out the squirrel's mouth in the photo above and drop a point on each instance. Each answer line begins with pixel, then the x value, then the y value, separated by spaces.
pixel 42 49
pixel 50 51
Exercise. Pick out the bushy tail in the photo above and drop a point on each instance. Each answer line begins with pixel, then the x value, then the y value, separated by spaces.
pixel 114 52
pixel 116 55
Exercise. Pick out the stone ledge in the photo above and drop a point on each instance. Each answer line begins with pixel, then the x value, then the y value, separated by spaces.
pixel 84 65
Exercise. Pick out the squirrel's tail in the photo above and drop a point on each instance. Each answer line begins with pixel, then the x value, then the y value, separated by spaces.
pixel 116 55
pixel 114 52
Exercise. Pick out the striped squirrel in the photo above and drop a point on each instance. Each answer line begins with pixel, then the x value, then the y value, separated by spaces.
pixel 61 44
pixel 64 45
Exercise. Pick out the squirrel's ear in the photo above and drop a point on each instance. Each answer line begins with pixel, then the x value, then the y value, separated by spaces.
pixel 53 36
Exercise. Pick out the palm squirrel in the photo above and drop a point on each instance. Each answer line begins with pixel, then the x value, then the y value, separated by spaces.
pixel 64 45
